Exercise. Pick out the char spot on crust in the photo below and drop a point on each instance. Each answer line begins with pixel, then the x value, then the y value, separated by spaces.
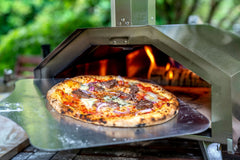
pixel 70 110
pixel 62 112
pixel 81 116
pixel 153 119
pixel 84 117
pixel 102 120
pixel 142 120
pixel 175 112
pixel 141 125
pixel 162 118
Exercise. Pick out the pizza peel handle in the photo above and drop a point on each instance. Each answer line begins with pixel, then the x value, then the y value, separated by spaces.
pixel 48 130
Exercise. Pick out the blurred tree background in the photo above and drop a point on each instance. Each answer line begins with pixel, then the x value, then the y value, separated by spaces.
pixel 27 24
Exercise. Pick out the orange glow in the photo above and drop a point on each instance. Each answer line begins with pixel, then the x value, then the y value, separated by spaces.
pixel 153 65
pixel 148 50
pixel 132 66
pixel 86 68
pixel 132 55
pixel 103 67
pixel 168 65
pixel 170 74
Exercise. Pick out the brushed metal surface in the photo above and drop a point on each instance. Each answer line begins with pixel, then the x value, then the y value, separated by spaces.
pixel 133 12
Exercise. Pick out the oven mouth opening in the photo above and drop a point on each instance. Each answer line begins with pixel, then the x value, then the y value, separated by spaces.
pixel 146 63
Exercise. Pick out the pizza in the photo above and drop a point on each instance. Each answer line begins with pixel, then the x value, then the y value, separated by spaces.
pixel 113 101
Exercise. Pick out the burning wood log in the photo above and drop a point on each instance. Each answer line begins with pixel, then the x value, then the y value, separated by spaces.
pixel 177 77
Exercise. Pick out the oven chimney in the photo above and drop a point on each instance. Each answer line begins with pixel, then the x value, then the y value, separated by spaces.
pixel 133 12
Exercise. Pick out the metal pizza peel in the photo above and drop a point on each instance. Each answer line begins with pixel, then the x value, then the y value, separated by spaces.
pixel 48 130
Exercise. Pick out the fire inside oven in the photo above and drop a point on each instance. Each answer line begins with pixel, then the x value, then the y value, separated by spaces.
pixel 137 61
pixel 146 63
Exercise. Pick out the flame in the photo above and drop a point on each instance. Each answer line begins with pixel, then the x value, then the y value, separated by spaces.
pixel 132 68
pixel 132 55
pixel 168 65
pixel 103 67
pixel 153 64
pixel 170 74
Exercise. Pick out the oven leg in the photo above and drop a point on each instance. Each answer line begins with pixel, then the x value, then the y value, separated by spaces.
pixel 231 146
pixel 210 150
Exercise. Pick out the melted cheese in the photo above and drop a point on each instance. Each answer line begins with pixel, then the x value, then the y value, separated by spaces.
pixel 88 102
pixel 84 87
pixel 67 90
pixel 121 102
pixel 151 97
pixel 116 99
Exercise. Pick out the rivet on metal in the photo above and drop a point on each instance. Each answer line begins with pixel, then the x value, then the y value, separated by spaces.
pixel 123 19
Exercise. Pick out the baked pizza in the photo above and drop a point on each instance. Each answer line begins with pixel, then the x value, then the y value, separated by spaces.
pixel 113 101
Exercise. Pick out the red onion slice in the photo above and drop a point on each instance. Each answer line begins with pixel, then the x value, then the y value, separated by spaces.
pixel 91 88
pixel 144 111
pixel 120 112
pixel 86 92
pixel 101 105
pixel 121 79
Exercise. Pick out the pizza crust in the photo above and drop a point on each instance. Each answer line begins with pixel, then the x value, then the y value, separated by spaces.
pixel 168 110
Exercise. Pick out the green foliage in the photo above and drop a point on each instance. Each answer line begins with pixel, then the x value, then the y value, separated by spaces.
pixel 51 25
pixel 27 24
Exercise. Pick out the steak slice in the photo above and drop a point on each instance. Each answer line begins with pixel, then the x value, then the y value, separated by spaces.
pixel 81 94
pixel 110 84
pixel 144 104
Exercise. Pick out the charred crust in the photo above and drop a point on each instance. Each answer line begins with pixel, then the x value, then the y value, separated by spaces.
pixel 81 116
pixel 153 119
pixel 88 119
pixel 142 120
pixel 85 117
pixel 162 118
pixel 62 112
pixel 70 110
pixel 102 120
pixel 175 112
pixel 141 125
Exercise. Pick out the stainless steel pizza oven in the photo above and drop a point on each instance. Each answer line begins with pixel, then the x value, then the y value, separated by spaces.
pixel 204 60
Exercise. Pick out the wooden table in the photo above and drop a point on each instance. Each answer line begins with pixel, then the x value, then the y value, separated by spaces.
pixel 170 149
